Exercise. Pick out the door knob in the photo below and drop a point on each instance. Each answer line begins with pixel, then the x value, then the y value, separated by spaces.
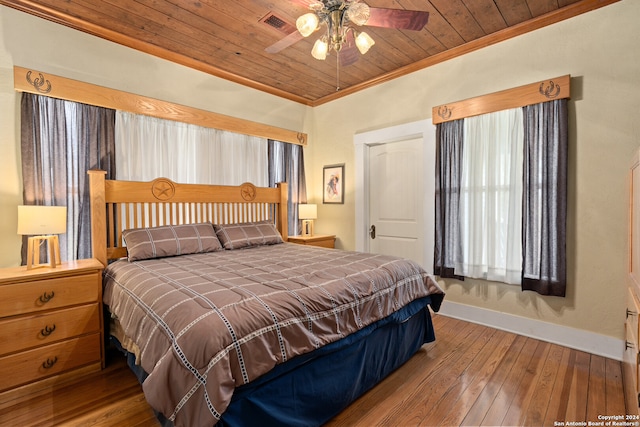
pixel 372 231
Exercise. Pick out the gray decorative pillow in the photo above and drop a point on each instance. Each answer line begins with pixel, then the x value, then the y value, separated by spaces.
pixel 242 235
pixel 170 240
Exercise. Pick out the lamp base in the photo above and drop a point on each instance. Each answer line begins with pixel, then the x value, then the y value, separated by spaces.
pixel 33 252
pixel 307 228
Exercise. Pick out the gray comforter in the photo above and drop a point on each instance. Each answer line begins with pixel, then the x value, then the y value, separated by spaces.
pixel 208 323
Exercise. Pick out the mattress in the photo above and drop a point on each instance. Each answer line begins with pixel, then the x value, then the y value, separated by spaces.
pixel 206 325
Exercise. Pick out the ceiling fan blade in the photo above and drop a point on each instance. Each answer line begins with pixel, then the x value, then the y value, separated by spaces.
pixel 348 56
pixel 398 18
pixel 284 42
pixel 349 52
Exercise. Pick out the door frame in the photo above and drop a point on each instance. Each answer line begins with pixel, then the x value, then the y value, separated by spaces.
pixel 423 129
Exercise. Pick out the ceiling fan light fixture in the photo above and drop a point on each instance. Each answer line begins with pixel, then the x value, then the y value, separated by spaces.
pixel 320 49
pixel 307 24
pixel 364 42
pixel 359 13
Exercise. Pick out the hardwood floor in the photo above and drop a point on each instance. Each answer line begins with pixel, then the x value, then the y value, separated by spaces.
pixel 472 375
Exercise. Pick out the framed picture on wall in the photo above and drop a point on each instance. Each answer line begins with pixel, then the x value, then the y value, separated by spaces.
pixel 333 182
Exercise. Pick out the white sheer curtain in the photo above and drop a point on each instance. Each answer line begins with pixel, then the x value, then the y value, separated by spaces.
pixel 491 197
pixel 148 148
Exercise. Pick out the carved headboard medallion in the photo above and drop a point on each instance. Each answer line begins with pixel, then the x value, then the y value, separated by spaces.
pixel 248 191
pixel 163 189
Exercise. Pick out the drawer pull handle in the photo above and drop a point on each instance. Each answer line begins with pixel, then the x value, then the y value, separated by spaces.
pixel 45 297
pixel 49 362
pixel 46 331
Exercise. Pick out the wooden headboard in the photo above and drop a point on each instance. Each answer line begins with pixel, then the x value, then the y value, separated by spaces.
pixel 121 205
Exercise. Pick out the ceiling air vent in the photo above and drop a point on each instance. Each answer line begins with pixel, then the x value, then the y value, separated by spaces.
pixel 278 23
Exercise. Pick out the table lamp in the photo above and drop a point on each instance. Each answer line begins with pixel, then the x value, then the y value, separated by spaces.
pixel 42 223
pixel 307 213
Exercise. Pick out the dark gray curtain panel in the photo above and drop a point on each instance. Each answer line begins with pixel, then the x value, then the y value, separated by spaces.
pixel 545 198
pixel 61 141
pixel 286 164
pixel 449 143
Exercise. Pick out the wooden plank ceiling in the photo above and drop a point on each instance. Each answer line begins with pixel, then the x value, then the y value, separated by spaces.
pixel 228 38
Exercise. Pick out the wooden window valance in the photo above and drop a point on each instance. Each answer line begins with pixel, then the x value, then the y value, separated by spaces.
pixel 534 93
pixel 37 82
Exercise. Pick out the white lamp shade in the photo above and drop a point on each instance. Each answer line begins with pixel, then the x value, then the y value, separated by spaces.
pixel 308 211
pixel 307 24
pixel 359 13
pixel 364 42
pixel 40 220
pixel 320 50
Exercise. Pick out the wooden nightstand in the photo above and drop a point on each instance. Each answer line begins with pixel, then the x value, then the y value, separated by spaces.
pixel 323 240
pixel 50 322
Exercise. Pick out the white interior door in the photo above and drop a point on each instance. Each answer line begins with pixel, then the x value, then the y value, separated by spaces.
pixel 389 187
pixel 396 214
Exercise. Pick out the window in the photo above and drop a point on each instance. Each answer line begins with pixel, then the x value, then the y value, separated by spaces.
pixel 484 230
pixel 490 217
pixel 62 140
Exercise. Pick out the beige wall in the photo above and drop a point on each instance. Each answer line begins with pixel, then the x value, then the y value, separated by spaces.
pixel 597 49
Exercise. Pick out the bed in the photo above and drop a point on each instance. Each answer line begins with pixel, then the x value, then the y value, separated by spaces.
pixel 226 323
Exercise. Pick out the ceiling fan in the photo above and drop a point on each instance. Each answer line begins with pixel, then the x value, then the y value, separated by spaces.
pixel 340 16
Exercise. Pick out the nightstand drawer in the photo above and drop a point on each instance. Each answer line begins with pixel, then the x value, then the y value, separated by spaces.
pixel 20 333
pixel 330 243
pixel 33 365
pixel 38 295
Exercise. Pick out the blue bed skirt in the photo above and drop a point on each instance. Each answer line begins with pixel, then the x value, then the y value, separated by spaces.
pixel 311 389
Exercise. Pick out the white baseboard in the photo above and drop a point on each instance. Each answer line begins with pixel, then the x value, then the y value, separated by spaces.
pixel 578 339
